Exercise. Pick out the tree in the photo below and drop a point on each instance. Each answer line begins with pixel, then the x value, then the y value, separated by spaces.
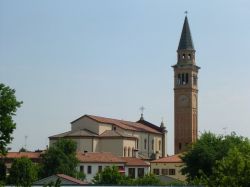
pixel 109 176
pixel 23 172
pixel 147 180
pixel 2 171
pixel 60 158
pixel 218 160
pixel 8 107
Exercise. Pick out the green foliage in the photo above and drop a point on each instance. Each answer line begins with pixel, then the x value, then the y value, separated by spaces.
pixel 2 171
pixel 109 176
pixel 149 180
pixel 23 172
pixel 218 161
pixel 8 107
pixel 60 158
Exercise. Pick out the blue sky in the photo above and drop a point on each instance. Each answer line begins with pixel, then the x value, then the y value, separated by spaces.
pixel 70 58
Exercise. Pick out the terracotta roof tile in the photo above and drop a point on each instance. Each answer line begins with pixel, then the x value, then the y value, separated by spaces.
pixel 112 133
pixel 31 155
pixel 79 133
pixel 170 159
pixel 99 157
pixel 71 179
pixel 131 161
pixel 128 125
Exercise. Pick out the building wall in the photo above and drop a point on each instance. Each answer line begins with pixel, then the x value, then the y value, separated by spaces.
pixel 146 170
pixel 84 144
pixel 94 168
pixel 92 125
pixel 176 166
pixel 148 152
pixel 111 145
pixel 128 147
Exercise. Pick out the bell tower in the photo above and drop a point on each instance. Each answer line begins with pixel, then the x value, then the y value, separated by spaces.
pixel 185 92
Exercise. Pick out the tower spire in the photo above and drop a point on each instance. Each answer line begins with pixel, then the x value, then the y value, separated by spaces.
pixel 186 41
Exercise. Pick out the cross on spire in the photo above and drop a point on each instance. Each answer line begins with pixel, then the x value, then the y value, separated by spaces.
pixel 142 108
pixel 186 12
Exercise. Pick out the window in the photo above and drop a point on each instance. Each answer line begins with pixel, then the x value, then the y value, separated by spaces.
pixel 164 171
pixel 140 172
pixel 125 151
pixel 131 172
pixel 186 78
pixel 179 146
pixel 156 171
pixel 152 144
pixel 189 56
pixel 183 56
pixel 171 171
pixel 99 169
pixel 159 145
pixel 129 151
pixel 89 169
pixel 82 169
pixel 145 143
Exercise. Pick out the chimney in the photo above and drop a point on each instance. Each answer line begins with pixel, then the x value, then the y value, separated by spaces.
pixel 135 153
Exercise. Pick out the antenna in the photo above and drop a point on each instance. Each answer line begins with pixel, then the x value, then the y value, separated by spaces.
pixel 25 142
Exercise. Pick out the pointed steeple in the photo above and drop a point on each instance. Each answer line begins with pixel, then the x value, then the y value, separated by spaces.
pixel 186 38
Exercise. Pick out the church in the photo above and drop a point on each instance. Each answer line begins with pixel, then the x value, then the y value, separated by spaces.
pixel 143 139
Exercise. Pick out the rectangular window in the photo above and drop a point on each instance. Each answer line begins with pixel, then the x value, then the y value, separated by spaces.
pixel 145 143
pixel 140 172
pixel 171 171
pixel 164 171
pixel 89 169
pixel 131 172
pixel 156 171
pixel 82 169
pixel 99 169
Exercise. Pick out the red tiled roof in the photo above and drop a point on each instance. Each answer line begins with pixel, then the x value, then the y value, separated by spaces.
pixel 128 125
pixel 71 179
pixel 170 159
pixel 131 161
pixel 112 133
pixel 98 157
pixel 31 155
pixel 79 133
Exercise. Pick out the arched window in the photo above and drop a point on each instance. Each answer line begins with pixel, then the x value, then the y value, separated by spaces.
pixel 189 56
pixel 183 56
pixel 125 151
pixel 129 152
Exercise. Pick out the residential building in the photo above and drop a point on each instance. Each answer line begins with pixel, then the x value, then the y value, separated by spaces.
pixel 92 163
pixel 96 134
pixel 168 167
pixel 185 92
pixel 11 156
pixel 135 168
